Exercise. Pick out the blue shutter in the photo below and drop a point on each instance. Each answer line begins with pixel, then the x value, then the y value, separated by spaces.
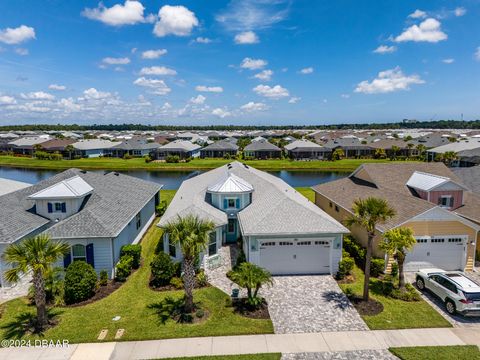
pixel 50 209
pixel 225 203
pixel 237 203
pixel 64 207
pixel 67 259
pixel 89 250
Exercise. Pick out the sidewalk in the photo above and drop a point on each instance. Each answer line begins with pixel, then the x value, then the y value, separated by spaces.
pixel 249 344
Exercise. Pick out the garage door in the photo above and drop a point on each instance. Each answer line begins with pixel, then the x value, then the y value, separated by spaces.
pixel 446 253
pixel 292 256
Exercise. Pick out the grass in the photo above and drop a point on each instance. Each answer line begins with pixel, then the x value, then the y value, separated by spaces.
pixel 131 301
pixel 196 164
pixel 307 192
pixel 272 356
pixel 397 314
pixel 437 352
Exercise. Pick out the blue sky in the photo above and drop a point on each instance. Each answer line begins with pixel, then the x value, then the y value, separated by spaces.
pixel 238 62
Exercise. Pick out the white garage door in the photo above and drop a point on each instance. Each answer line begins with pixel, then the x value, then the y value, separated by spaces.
pixel 291 256
pixel 446 253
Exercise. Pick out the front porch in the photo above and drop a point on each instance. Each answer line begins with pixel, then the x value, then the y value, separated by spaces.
pixel 217 266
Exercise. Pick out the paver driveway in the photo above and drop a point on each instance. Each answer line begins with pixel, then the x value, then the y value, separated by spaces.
pixel 301 304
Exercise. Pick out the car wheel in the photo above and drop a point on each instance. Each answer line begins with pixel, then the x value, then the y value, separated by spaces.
pixel 420 283
pixel 450 306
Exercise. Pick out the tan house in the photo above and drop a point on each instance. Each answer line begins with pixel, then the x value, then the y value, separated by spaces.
pixel 428 197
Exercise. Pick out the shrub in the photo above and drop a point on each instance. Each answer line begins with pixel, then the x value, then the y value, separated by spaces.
pixel 241 258
pixel 345 267
pixel 349 292
pixel 103 279
pixel 127 157
pixel 177 283
pixel 355 250
pixel 124 268
pixel 410 294
pixel 163 269
pixel 200 313
pixel 172 159
pixel 394 270
pixel 133 250
pixel 161 208
pixel 148 159
pixel 202 279
pixel 80 282
pixel 377 267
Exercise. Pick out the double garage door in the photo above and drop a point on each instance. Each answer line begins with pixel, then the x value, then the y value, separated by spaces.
pixel 447 253
pixel 295 256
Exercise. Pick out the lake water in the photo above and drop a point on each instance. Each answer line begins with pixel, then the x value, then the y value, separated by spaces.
pixel 173 179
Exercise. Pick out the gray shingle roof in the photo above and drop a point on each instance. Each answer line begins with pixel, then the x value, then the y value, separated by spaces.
pixel 222 145
pixel 261 145
pixel 136 144
pixel 116 199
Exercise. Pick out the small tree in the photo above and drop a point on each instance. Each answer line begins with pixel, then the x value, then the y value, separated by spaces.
pixel 338 154
pixel 396 243
pixel 395 150
pixel 380 154
pixel 252 278
pixel 69 149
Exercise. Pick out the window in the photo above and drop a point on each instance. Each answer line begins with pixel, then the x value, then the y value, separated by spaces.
pixel 138 219
pixel 172 249
pixel 455 240
pixel 269 243
pixel 422 241
pixel 231 226
pixel 330 203
pixel 285 243
pixel 336 208
pixel 445 201
pixel 79 252
pixel 447 284
pixel 438 240
pixel 58 207
pixel 212 245
pixel 231 203
pixel 321 242
pixel 304 243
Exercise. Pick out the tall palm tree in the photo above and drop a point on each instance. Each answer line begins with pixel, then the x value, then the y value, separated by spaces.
pixel 368 213
pixel 396 243
pixel 192 234
pixel 38 255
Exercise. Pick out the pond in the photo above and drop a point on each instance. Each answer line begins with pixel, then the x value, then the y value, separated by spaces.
pixel 173 179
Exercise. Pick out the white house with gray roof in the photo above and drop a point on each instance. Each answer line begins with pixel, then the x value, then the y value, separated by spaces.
pixel 95 213
pixel 280 229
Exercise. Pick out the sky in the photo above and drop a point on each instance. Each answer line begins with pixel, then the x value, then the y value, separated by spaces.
pixel 240 62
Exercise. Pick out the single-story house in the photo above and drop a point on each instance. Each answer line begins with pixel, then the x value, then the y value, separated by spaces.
pixel 137 147
pixel 305 149
pixel 456 147
pixel 27 145
pixel 403 148
pixel 182 148
pixel 93 148
pixel 427 197
pixel 278 227
pixel 7 186
pixel 219 149
pixel 57 145
pixel 351 146
pixel 470 176
pixel 95 213
pixel 262 149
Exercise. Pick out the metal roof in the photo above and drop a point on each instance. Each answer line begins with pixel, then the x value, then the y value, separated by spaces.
pixel 426 182
pixel 74 187
pixel 231 184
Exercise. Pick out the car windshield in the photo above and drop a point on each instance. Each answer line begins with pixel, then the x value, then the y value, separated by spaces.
pixel 472 296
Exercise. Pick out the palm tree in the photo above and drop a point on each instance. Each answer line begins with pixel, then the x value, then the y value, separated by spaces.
pixel 421 150
pixel 251 277
pixel 395 149
pixel 338 154
pixel 192 234
pixel 448 157
pixel 396 243
pixel 368 213
pixel 38 255
pixel 70 149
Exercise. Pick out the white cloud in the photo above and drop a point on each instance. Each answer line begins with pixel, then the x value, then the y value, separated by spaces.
pixel 388 81
pixel 7 100
pixel 307 70
pixel 246 37
pixel 38 95
pixel 214 89
pixel 418 14
pixel 385 49
pixel 477 54
pixel 175 20
pixel 221 113
pixel 57 87
pixel 345 96
pixel 130 13
pixel 17 35
pixel 94 94
pixel 253 64
pixel 203 40
pixel 265 75
pixel 460 11
pixel 294 100
pixel 199 100
pixel 158 71
pixel 153 54
pixel 69 104
pixel 429 30
pixel 116 61
pixel 275 92
pixel 21 51
pixel 157 87
pixel 253 106
pixel 448 61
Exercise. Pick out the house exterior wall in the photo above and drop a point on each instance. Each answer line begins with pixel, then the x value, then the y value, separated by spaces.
pixel 218 201
pixel 72 207
pixel 456 194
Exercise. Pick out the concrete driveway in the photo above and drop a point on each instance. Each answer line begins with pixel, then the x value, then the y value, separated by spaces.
pixel 304 304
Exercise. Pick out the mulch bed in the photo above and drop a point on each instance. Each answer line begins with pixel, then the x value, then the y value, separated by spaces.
pixel 242 308
pixel 100 293
pixel 173 288
pixel 370 307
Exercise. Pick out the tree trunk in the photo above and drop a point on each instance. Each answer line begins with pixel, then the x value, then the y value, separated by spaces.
pixel 401 276
pixel 368 260
pixel 188 283
pixel 40 300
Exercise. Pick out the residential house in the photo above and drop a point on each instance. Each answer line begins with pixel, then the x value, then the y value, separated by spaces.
pixel 182 148
pixel 279 228
pixel 470 176
pixel 427 197
pixel 27 145
pixel 93 148
pixel 136 147
pixel 461 148
pixel 7 186
pixel 305 149
pixel 95 213
pixel 351 146
pixel 220 149
pixel 57 145
pixel 262 149
pixel 394 147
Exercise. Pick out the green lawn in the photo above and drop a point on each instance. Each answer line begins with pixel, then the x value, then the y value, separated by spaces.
pixel 196 164
pixel 83 324
pixel 437 352
pixel 307 192
pixel 273 356
pixel 397 314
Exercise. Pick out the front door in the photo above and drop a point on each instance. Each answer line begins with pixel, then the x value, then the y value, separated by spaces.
pixel 232 231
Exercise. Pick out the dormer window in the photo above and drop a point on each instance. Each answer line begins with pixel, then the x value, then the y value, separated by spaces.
pixel 231 203
pixel 445 201
pixel 57 207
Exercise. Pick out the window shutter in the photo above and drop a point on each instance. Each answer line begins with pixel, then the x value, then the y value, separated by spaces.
pixel 451 202
pixel 237 203
pixel 225 203
pixel 50 208
pixel 67 259
pixel 64 207
pixel 89 250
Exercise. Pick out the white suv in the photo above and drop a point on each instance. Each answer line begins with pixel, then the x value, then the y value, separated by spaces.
pixel 459 293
